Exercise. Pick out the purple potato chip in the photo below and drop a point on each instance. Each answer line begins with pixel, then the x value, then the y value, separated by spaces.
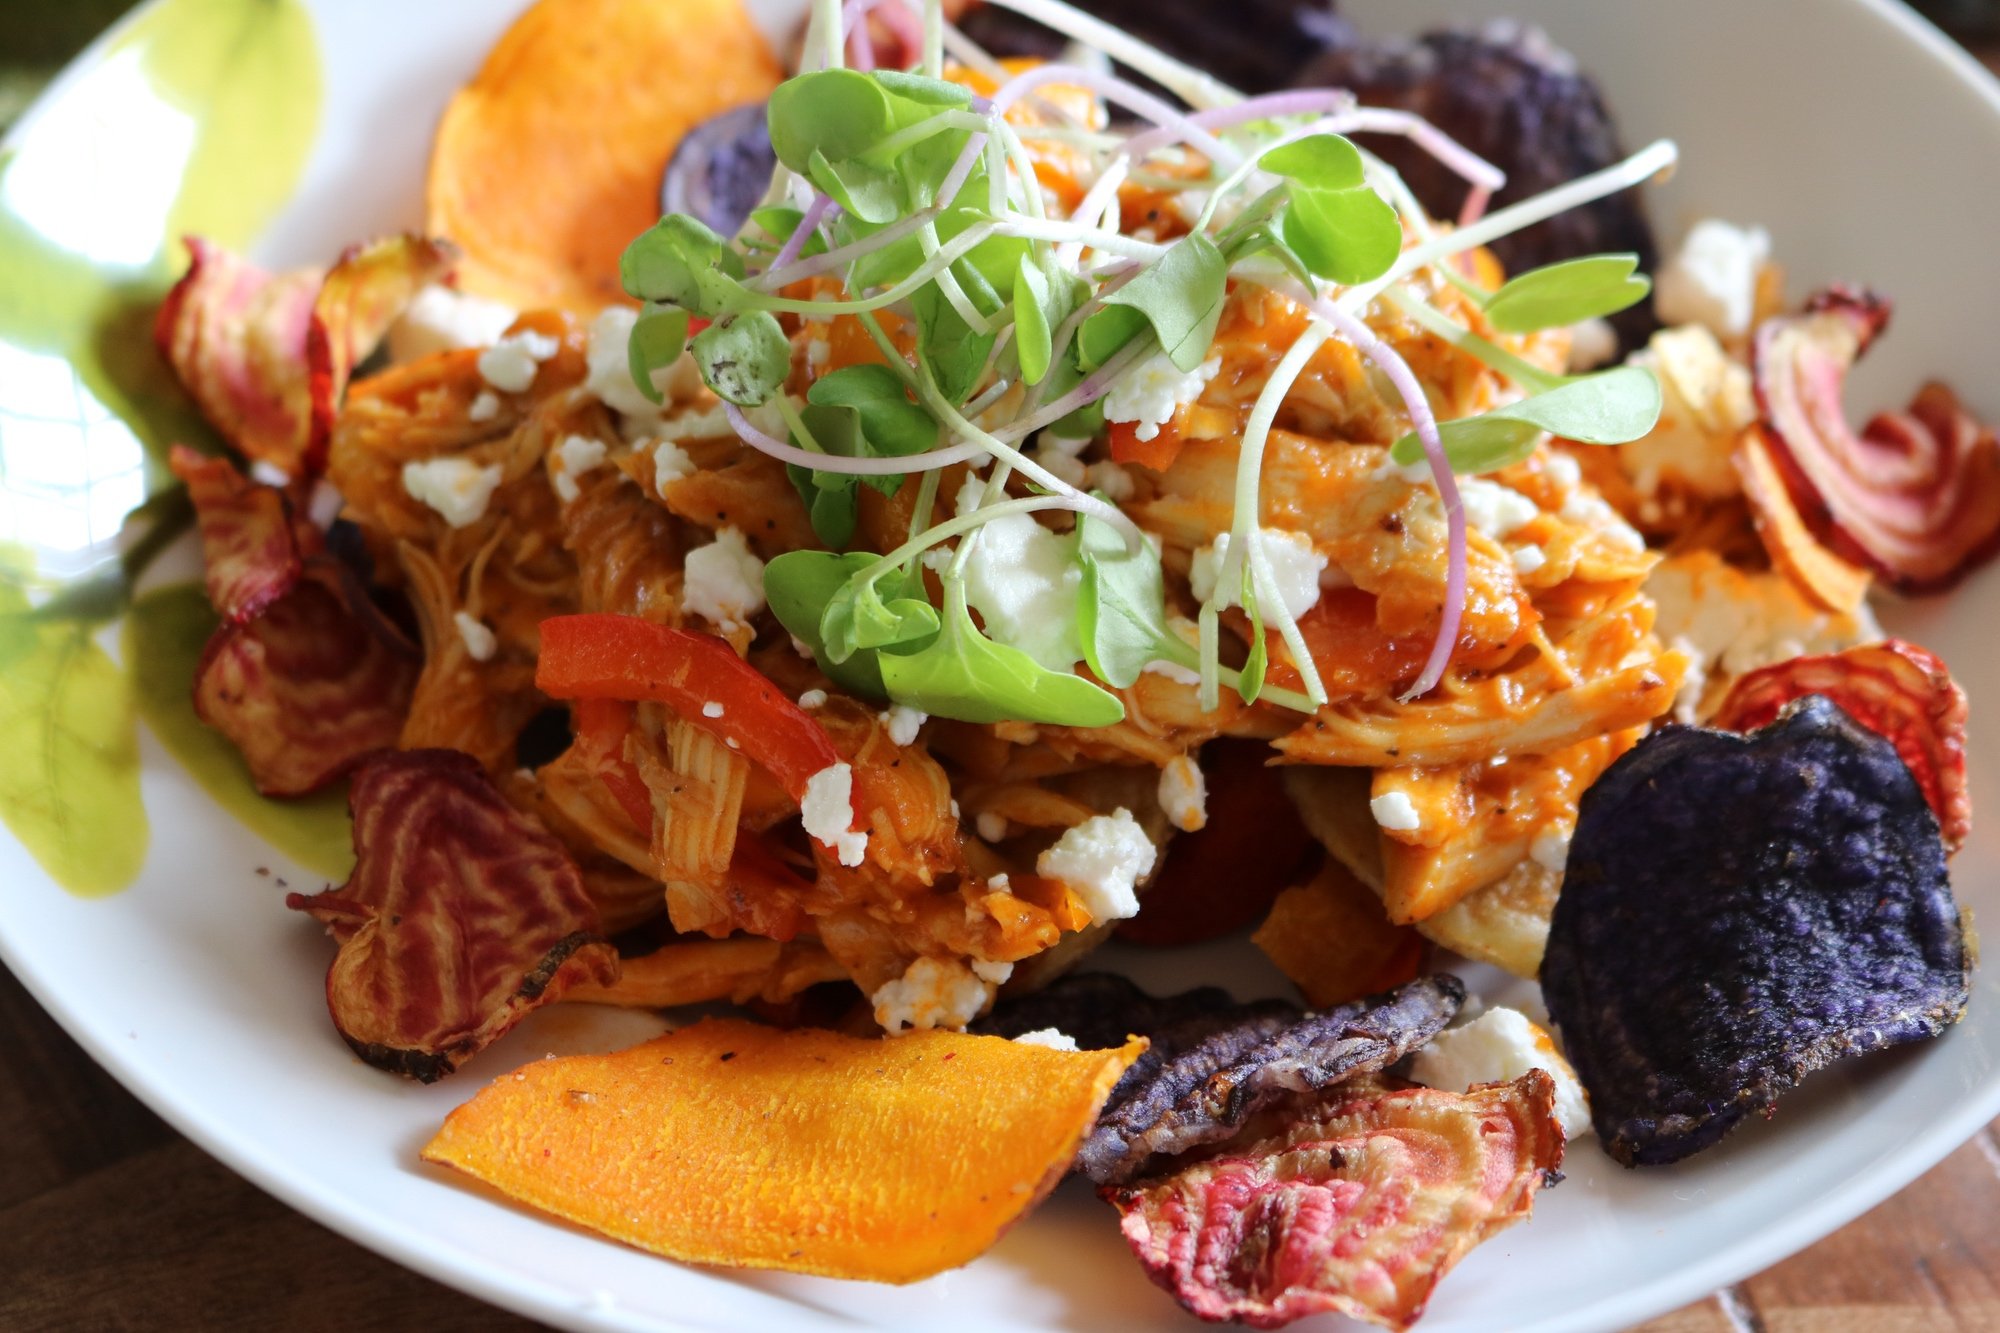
pixel 720 169
pixel 1739 911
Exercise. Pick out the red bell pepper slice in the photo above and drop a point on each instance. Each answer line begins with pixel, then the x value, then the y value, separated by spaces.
pixel 602 656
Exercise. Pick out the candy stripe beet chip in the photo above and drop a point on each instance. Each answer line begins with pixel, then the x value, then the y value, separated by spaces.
pixel 1739 911
pixel 248 547
pixel 461 916
pixel 1897 690
pixel 1358 1209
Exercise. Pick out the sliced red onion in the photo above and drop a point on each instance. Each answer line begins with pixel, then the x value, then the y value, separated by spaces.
pixel 857 467
pixel 1424 422
pixel 822 209
pixel 780 276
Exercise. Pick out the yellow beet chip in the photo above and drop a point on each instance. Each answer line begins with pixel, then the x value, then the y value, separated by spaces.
pixel 731 1143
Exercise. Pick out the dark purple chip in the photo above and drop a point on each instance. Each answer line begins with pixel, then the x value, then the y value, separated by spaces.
pixel 1739 911
pixel 720 170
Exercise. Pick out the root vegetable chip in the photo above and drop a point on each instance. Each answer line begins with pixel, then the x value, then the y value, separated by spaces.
pixel 1895 689
pixel 364 294
pixel 1358 1210
pixel 1332 938
pixel 266 356
pixel 1739 911
pixel 236 336
pixel 550 160
pixel 461 916
pixel 294 676
pixel 728 1143
pixel 1820 574
pixel 249 549
pixel 1208 1091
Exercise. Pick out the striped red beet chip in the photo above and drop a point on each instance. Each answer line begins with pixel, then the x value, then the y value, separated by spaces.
pixel 461 916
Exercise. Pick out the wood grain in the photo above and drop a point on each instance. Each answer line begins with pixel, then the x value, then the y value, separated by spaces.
pixel 109 1221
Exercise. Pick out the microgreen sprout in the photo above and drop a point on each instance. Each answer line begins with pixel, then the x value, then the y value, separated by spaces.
pixel 908 203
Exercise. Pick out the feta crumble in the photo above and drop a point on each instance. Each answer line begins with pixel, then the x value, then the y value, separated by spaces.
pixel 575 456
pixel 1295 566
pixel 1053 1038
pixel 609 374
pixel 1395 810
pixel 991 827
pixel 510 364
pixel 711 709
pixel 1114 480
pixel 1173 671
pixel 485 407
pixel 1550 849
pixel 1101 860
pixel 1497 1047
pixel 812 699
pixel 480 642
pixel 440 319
pixel 1150 393
pixel 269 474
pixel 1184 793
pixel 1496 510
pixel 457 488
pixel 1528 559
pixel 671 463
pixel 828 813
pixel 903 723
pixel 1023 581
pixel 725 581
pixel 931 993
pixel 1712 279
pixel 1592 343
pixel 995 973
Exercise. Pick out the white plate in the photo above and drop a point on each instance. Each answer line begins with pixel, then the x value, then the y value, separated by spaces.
pixel 1869 147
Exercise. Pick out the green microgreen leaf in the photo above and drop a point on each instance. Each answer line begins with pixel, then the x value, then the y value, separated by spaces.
pixel 837 113
pixel 799 584
pixel 856 412
pixel 1122 605
pixel 871 193
pixel 657 340
pixel 1611 407
pixel 1336 222
pixel 1250 680
pixel 1567 293
pixel 1180 296
pixel 1045 294
pixel 745 357
pixel 965 675
pixel 875 614
pixel 678 261
pixel 955 354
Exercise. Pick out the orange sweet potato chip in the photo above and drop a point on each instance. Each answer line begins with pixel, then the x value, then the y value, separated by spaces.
pixel 729 1143
pixel 1332 938
pixel 1820 574
pixel 550 160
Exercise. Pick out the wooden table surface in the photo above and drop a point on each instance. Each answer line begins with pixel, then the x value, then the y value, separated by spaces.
pixel 109 1220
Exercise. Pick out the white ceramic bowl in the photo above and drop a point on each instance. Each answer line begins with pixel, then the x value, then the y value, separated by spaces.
pixel 1866 144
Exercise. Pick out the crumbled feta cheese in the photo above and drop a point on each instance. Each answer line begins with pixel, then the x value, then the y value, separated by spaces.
pixel 575 456
pixel 931 993
pixel 818 352
pixel 996 973
pixel 999 883
pixel 670 464
pixel 725 581
pixel 1395 810
pixel 325 503
pixel 609 376
pixel 1564 470
pixel 1591 511
pixel 903 723
pixel 1053 1038
pixel 1061 456
pixel 1592 343
pixel 457 488
pixel 1496 510
pixel 1295 566
pixel 439 319
pixel 1101 860
pixel 812 699
pixel 1150 393
pixel 1712 280
pixel 1184 793
pixel 269 474
pixel 1550 849
pixel 1025 582
pixel 480 642
pixel 828 813
pixel 711 709
pixel 1498 1047
pixel 1687 699
pixel 1528 559
pixel 991 827
pixel 1732 621
pixel 485 407
pixel 510 364
pixel 1115 481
